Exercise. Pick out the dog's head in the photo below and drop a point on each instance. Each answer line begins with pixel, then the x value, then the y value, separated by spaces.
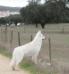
pixel 41 35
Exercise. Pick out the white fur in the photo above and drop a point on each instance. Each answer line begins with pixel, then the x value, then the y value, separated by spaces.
pixel 30 49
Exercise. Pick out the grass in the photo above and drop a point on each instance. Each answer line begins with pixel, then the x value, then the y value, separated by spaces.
pixel 34 69
pixel 29 66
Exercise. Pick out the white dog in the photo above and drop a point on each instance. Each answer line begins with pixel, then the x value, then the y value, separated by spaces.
pixel 30 49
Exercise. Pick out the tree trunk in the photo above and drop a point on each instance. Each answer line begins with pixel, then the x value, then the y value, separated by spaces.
pixel 43 25
pixel 36 25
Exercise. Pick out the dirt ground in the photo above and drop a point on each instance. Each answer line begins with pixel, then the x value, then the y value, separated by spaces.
pixel 5 68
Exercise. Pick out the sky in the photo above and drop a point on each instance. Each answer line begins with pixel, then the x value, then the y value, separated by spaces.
pixel 14 3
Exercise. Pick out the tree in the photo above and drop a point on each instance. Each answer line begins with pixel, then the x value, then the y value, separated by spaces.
pixel 15 19
pixel 3 20
pixel 34 13
pixel 30 13
pixel 55 11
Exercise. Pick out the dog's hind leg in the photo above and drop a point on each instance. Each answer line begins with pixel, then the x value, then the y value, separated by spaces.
pixel 19 58
pixel 12 64
pixel 13 67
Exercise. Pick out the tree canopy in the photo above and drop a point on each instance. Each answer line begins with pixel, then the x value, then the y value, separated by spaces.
pixel 15 19
pixel 49 12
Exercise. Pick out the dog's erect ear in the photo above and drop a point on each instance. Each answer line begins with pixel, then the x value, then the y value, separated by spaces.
pixel 44 32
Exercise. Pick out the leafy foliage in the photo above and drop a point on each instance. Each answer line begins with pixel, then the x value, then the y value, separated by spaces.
pixel 3 20
pixel 15 19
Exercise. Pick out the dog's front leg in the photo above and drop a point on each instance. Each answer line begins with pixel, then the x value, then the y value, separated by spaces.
pixel 34 59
